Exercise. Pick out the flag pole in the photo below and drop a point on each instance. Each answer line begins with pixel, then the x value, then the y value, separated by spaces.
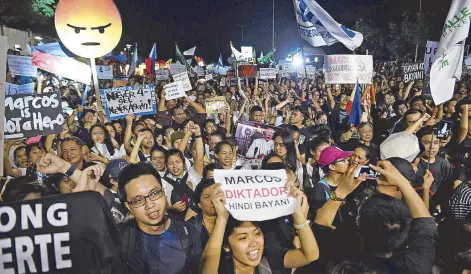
pixel 273 27
pixel 97 89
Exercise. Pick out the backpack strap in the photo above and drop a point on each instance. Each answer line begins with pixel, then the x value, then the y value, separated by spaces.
pixel 326 187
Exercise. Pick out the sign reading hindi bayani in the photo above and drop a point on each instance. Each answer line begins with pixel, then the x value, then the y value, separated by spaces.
pixel 255 195
pixel 33 115
pixel 412 71
pixel 21 65
pixel 119 102
pixel 346 69
pixel 52 235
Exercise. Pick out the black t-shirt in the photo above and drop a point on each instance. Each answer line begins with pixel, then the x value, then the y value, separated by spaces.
pixel 279 235
pixel 441 171
pixel 165 253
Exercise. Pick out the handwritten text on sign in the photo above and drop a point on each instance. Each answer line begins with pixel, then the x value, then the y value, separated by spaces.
pixel 412 71
pixel 174 90
pixel 21 65
pixel 121 101
pixel 268 73
pixel 28 115
pixel 255 195
pixel 184 79
pixel 346 69
pixel 104 72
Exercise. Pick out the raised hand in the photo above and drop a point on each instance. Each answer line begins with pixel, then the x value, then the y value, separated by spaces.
pixel 390 176
pixel 89 178
pixel 348 183
pixel 129 118
pixel 51 164
pixel 180 206
pixel 219 201
pixel 428 180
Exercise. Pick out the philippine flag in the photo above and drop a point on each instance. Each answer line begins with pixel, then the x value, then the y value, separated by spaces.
pixel 354 106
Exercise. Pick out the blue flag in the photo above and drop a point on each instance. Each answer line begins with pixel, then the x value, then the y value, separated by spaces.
pixel 56 49
pixel 220 60
pixel 132 68
pixel 355 114
pixel 153 57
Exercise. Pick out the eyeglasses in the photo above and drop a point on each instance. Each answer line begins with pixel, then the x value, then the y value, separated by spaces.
pixel 141 200
pixel 344 160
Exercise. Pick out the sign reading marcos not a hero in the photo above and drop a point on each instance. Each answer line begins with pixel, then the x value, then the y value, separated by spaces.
pixel 346 69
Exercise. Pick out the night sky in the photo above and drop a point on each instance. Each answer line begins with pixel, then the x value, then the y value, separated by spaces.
pixel 211 24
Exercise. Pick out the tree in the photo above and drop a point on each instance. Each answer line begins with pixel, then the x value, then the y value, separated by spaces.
pixel 26 11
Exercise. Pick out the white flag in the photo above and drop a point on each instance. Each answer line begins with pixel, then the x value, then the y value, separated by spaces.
pixel 190 52
pixel 319 28
pixel 237 54
pixel 448 65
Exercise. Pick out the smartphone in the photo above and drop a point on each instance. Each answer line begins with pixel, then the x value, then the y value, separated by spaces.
pixel 442 130
pixel 370 174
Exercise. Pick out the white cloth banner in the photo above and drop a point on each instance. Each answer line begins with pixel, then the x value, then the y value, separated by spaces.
pixel 448 65
pixel 430 54
pixel 255 195
pixel 177 68
pixel 268 73
pixel 104 72
pixel 174 91
pixel 22 65
pixel 184 79
pixel 315 25
pixel 346 69
pixel 12 89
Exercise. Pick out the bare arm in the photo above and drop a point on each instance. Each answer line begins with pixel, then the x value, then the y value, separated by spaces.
pixel 464 124
pixel 409 87
pixel 331 98
pixel 199 108
pixel 128 133
pixel 135 149
pixel 199 159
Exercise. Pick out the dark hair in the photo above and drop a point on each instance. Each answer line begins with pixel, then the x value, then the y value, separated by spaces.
pixel 219 134
pixel 231 225
pixel 210 167
pixel 107 140
pixel 133 171
pixel 415 99
pixel 288 140
pixel 219 145
pixel 366 149
pixel 389 218
pixel 158 148
pixel 204 184
pixel 17 189
pixel 18 149
pixel 397 104
pixel 315 142
pixel 254 109
pixel 29 147
pixel 351 267
pixel 52 181
pixel 74 139
pixel 427 130
pixel 272 166
pixel 172 110
pixel 173 152
pixel 320 114
pixel 117 135
pixel 321 131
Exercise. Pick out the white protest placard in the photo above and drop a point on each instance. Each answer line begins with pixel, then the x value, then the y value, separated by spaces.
pixel 119 102
pixel 174 91
pixel 21 65
pixel 177 68
pixel 200 71
pixel 288 67
pixel 247 53
pixel 184 79
pixel 12 89
pixel 255 195
pixel 104 72
pixel 346 69
pixel 222 83
pixel 208 77
pixel 161 74
pixel 430 52
pixel 268 73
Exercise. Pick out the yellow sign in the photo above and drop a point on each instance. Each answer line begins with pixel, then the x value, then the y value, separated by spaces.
pixel 88 28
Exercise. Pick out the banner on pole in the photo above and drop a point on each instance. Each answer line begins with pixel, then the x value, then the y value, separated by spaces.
pixel 119 102
pixel 22 65
pixel 255 195
pixel 33 115
pixel 104 72
pixel 346 69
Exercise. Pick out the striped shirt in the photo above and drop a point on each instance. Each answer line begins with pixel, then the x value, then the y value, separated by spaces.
pixel 460 202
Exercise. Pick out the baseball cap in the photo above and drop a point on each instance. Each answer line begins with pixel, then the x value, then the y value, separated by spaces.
pixel 332 154
pixel 114 168
pixel 176 135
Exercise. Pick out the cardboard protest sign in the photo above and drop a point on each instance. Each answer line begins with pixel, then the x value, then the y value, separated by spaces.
pixel 247 71
pixel 200 71
pixel 254 140
pixel 12 89
pixel 22 65
pixel 162 74
pixel 268 73
pixel 104 72
pixel 208 77
pixel 184 79
pixel 53 235
pixel 174 91
pixel 346 69
pixel 430 52
pixel 216 105
pixel 120 82
pixel 177 68
pixel 33 115
pixel 255 195
pixel 119 102
pixel 246 54
pixel 63 66
pixel 412 71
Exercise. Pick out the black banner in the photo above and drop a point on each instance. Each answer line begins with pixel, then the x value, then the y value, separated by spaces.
pixel 33 115
pixel 412 71
pixel 72 233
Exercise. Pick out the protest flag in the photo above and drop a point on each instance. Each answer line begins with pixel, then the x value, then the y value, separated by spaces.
pixel 447 67
pixel 235 52
pixel 190 52
pixel 266 58
pixel 180 58
pixel 312 18
pixel 150 61
pixel 169 61
pixel 55 49
pixel 254 56
pixel 261 54
pixel 220 64
pixel 354 106
pixel 132 67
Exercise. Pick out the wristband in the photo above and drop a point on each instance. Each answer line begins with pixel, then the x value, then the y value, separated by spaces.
pixel 70 171
pixel 199 136
pixel 303 225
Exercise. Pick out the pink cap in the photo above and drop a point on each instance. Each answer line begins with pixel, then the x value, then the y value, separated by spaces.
pixel 33 140
pixel 332 154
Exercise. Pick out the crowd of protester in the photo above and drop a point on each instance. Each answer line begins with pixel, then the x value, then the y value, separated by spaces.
pixel 156 174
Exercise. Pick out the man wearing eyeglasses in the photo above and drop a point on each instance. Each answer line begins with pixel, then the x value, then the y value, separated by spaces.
pixel 151 241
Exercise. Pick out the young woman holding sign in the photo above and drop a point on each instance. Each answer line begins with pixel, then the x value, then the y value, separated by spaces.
pixel 243 243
